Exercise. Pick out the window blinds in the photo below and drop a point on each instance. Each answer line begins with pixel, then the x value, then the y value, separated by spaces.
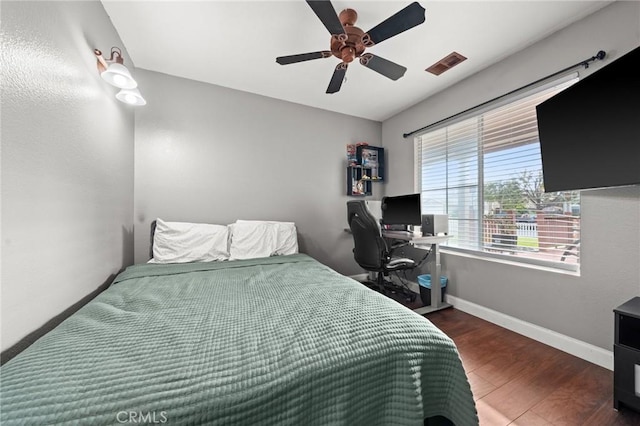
pixel 485 172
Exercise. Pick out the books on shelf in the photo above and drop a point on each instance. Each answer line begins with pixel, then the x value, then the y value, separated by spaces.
pixel 352 148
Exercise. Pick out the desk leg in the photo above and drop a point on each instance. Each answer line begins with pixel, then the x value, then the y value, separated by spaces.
pixel 434 268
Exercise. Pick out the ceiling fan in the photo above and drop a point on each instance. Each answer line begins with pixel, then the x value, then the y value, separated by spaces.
pixel 349 42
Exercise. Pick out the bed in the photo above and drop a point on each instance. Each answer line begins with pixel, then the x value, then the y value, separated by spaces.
pixel 276 340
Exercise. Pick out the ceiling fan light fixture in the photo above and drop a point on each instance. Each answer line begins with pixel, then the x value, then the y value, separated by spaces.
pixel 348 54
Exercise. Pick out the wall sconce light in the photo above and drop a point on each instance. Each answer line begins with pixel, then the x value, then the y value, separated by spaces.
pixel 131 96
pixel 115 73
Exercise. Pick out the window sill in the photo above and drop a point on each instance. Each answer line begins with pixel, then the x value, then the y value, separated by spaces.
pixel 569 269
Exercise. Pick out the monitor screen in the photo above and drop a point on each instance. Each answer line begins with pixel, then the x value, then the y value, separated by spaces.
pixel 401 210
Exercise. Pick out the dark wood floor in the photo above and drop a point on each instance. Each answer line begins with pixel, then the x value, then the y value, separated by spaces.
pixel 519 381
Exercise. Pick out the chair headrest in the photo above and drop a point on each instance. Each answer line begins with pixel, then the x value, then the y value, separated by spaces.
pixel 359 208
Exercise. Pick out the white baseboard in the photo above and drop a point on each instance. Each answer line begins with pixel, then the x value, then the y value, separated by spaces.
pixel 575 347
pixel 586 351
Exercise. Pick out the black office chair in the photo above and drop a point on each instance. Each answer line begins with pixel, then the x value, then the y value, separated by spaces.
pixel 371 251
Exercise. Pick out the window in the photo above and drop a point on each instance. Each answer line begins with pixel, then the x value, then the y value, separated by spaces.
pixel 485 172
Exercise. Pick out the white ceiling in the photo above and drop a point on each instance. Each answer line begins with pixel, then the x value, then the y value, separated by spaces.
pixel 235 43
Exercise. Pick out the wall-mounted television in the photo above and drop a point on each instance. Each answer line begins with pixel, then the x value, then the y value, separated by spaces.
pixel 590 132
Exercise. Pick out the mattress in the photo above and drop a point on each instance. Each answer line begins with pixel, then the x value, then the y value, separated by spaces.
pixel 280 341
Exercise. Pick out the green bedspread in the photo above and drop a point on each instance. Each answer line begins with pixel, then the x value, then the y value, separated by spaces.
pixel 277 341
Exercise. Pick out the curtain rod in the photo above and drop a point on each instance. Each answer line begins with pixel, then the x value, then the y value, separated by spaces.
pixel 600 55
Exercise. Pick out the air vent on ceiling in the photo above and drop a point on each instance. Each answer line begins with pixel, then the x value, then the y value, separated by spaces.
pixel 446 63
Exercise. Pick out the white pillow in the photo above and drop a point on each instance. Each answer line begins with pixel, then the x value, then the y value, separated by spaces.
pixel 251 240
pixel 286 239
pixel 181 242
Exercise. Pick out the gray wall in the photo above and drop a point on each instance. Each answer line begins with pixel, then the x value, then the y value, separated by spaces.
pixel 67 162
pixel 577 306
pixel 206 153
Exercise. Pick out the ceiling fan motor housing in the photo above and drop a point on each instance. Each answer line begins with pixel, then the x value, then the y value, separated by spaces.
pixel 352 47
pixel 349 42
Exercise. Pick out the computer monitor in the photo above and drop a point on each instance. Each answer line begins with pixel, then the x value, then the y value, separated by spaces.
pixel 401 210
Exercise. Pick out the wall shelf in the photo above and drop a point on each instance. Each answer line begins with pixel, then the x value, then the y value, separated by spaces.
pixel 359 181
pixel 372 157
pixel 369 169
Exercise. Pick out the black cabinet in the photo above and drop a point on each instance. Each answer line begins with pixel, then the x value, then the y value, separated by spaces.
pixel 626 355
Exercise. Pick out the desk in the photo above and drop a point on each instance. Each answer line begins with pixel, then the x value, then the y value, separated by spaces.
pixel 433 264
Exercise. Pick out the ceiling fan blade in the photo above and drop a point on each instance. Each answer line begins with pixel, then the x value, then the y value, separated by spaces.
pixel 383 66
pixel 292 59
pixel 407 18
pixel 327 14
pixel 337 78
